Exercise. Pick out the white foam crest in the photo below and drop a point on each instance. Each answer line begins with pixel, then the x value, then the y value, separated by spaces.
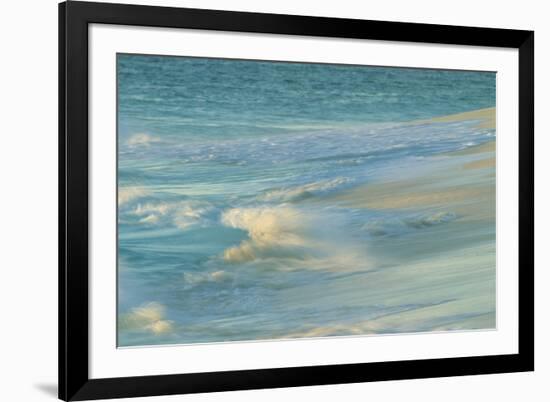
pixel 269 225
pixel 268 228
pixel 147 317
pixel 303 191
pixel 197 278
pixel 182 214
pixel 291 238
pixel 141 140
pixel 130 193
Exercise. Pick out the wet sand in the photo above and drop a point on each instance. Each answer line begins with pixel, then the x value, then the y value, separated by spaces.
pixel 462 180
pixel 444 271
pixel 486 117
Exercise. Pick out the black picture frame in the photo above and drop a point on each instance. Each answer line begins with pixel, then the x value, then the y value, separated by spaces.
pixel 74 381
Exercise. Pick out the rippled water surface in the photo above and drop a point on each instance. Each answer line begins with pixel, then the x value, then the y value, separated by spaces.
pixel 251 201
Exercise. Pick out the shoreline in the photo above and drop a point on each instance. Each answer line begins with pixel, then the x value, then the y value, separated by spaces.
pixel 451 261
pixel 458 178
pixel 486 117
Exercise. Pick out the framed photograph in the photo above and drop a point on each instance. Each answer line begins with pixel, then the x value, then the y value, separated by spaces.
pixel 257 200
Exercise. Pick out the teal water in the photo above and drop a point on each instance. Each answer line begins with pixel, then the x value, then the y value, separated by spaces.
pixel 226 170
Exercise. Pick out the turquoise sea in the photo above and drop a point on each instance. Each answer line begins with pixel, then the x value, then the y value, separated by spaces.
pixel 252 202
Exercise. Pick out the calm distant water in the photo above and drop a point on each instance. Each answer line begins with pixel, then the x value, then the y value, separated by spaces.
pixel 226 169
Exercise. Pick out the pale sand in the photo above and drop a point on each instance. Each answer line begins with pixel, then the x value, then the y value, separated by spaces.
pixel 454 264
pixel 410 195
pixel 464 181
pixel 481 164
pixel 438 189
pixel 487 117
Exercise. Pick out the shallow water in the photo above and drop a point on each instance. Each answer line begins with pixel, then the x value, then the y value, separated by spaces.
pixel 241 210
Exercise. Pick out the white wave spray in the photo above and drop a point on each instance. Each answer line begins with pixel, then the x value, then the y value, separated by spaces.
pixel 292 238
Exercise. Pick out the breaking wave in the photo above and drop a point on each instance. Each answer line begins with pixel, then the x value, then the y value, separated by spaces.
pixel 288 238
pixel 181 214
pixel 269 229
pixel 147 317
pixel 298 193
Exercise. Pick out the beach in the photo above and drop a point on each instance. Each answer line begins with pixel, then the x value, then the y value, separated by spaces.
pixel 455 263
pixel 464 179
pixel 260 201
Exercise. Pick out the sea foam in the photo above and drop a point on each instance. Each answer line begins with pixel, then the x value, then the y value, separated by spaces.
pixel 141 139
pixel 298 193
pixel 147 317
pixel 181 214
pixel 288 238
pixel 268 229
pixel 130 193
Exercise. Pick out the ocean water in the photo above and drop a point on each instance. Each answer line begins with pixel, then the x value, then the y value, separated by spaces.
pixel 246 208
